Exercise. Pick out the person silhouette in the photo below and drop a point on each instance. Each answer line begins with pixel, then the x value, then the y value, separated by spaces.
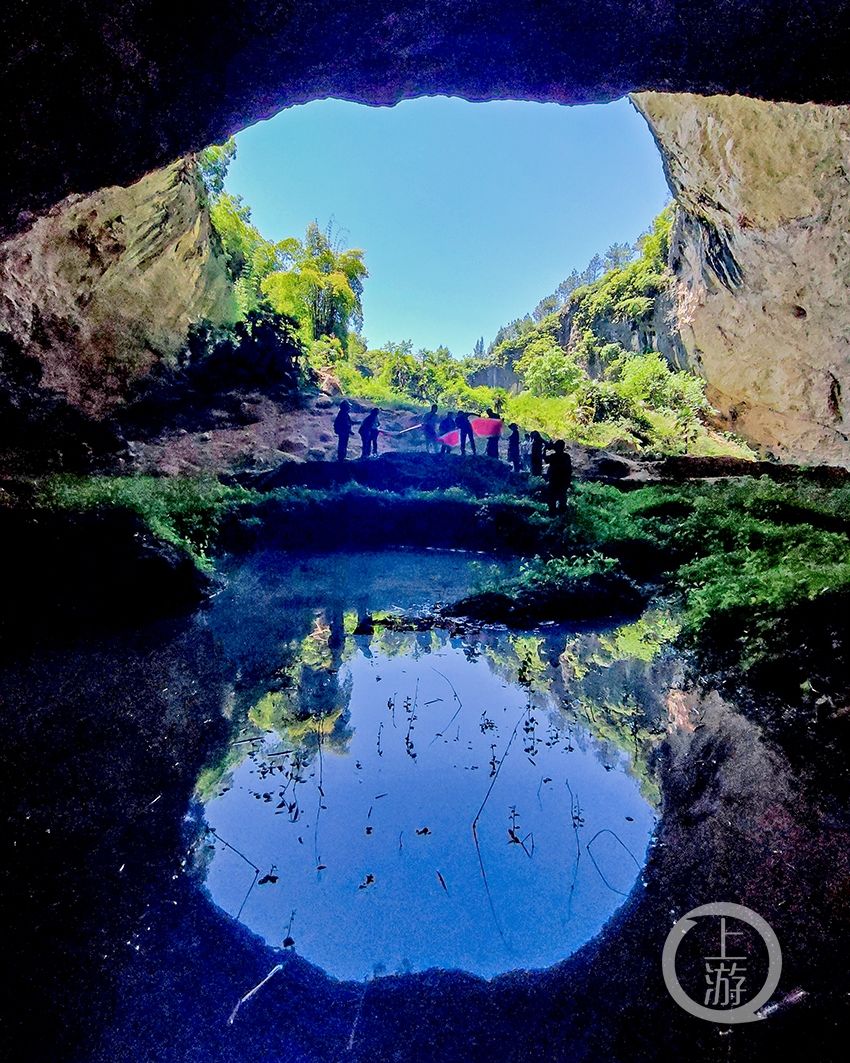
pixel 429 429
pixel 466 433
pixel 492 447
pixel 538 447
pixel 513 448
pixel 369 433
pixel 343 426
pixel 559 477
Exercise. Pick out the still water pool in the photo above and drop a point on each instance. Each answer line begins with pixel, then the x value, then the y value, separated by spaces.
pixel 399 801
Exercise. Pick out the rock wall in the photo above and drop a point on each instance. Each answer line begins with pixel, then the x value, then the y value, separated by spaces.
pixel 761 258
pixel 99 93
pixel 104 286
pixel 659 332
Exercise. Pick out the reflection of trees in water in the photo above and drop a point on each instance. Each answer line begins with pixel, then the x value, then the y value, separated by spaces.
pixel 617 684
pixel 601 692
pixel 301 698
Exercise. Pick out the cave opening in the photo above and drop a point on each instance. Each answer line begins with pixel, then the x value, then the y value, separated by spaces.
pixel 168 445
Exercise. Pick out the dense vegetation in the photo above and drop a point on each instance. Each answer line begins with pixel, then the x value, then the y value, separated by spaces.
pixel 577 386
pixel 187 513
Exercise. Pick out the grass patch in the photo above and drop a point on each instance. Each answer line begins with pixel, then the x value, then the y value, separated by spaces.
pixel 184 511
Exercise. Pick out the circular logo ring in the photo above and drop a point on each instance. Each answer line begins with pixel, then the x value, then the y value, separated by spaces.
pixel 745 1012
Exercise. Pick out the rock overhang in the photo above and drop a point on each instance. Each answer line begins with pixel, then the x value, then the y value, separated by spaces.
pixel 100 93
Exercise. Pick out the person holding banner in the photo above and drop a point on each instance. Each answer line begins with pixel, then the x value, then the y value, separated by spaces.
pixel 493 435
pixel 449 435
pixel 429 429
pixel 466 433
pixel 513 448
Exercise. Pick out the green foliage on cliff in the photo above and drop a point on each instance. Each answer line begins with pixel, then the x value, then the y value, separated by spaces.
pixel 627 292
pixel 249 256
pixel 315 281
pixel 213 164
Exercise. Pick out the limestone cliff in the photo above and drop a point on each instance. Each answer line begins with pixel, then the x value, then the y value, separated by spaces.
pixel 104 286
pixel 761 259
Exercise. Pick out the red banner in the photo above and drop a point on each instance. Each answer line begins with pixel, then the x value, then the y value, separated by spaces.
pixel 486 426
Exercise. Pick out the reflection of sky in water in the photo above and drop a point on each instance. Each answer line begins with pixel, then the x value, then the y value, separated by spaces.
pixel 400 754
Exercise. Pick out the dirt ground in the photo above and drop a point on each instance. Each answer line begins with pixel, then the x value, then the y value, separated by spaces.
pixel 279 433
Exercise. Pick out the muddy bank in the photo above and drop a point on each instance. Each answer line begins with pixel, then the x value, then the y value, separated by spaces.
pixel 595 597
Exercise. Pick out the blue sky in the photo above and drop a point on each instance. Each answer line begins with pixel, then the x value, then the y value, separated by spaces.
pixel 468 213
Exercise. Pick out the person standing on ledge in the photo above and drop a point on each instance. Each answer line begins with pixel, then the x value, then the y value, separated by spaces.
pixel 492 448
pixel 342 427
pixel 429 428
pixel 448 424
pixel 535 461
pixel 559 478
pixel 513 448
pixel 369 433
pixel 466 432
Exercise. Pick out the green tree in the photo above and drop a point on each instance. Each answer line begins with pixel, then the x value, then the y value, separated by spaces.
pixel 617 256
pixel 320 284
pixel 213 164
pixel 548 370
pixel 249 256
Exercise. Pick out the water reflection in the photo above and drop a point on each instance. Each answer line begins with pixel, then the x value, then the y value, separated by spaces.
pixel 405 800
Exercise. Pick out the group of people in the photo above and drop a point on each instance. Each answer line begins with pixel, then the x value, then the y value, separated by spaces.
pixel 538 455
pixel 368 430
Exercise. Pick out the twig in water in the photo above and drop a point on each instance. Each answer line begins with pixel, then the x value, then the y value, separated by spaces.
pixel 439 734
pixel 251 992
pixel 288 941
pixel 248 894
pixel 575 818
pixel 606 830
pixel 475 828
pixel 233 848
pixel 356 1022
pixel 250 863
pixel 320 736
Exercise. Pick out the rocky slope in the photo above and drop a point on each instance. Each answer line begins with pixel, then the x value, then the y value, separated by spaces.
pixel 761 259
pixel 104 286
